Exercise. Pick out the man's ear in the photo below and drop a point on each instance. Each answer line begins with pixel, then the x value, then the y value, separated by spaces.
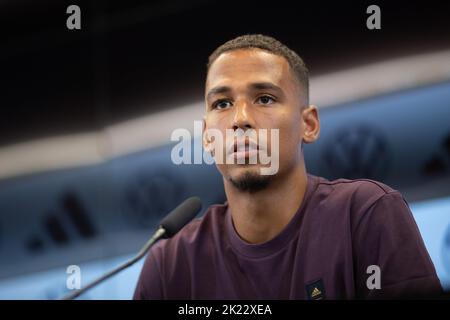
pixel 311 124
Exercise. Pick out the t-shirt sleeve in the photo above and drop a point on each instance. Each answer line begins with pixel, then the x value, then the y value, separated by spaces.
pixel 387 242
pixel 149 285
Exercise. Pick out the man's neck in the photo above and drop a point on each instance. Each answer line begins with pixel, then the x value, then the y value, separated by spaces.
pixel 260 216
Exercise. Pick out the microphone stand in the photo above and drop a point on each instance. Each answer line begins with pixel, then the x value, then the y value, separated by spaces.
pixel 156 236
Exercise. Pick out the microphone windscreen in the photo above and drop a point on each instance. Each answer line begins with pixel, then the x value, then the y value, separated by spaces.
pixel 181 215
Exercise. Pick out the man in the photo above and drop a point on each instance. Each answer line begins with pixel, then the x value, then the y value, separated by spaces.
pixel 288 235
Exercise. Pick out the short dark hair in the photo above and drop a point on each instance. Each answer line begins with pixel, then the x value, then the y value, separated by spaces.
pixel 271 45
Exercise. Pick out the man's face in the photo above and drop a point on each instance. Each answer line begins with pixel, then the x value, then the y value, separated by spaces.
pixel 254 89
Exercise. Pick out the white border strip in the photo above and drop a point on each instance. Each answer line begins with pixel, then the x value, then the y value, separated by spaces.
pixel 380 78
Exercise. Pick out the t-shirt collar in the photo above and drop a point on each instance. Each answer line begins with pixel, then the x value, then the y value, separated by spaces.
pixel 279 241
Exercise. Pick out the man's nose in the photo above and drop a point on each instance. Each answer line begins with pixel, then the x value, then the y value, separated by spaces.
pixel 242 116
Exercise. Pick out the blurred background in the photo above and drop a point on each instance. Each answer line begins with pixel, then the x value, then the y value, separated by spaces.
pixel 86 117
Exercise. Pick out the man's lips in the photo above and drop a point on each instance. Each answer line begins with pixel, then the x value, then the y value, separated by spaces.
pixel 241 149
pixel 245 154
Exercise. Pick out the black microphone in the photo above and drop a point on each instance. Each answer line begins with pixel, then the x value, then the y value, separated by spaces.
pixel 169 226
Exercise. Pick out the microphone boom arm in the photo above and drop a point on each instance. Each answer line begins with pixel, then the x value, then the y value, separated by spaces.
pixel 156 236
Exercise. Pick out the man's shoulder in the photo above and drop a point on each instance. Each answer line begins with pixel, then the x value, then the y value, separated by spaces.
pixel 362 191
pixel 362 200
pixel 357 197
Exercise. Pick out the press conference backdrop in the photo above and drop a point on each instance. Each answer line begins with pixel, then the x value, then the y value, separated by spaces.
pixel 97 216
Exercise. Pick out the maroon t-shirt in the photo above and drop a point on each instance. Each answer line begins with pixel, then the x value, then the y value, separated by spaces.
pixel 341 229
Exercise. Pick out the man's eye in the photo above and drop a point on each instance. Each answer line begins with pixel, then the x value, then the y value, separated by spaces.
pixel 265 100
pixel 221 104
